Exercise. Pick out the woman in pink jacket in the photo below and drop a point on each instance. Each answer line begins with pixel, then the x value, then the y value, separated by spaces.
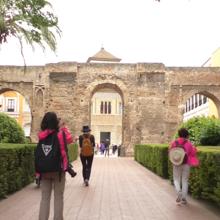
pixel 181 172
pixel 53 180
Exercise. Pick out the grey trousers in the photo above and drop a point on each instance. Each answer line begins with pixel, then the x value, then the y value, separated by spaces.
pixel 180 179
pixel 48 183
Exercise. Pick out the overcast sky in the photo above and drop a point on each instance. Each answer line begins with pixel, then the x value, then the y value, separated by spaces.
pixel 173 32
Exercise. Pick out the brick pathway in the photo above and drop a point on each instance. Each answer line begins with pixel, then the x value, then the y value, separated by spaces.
pixel 120 188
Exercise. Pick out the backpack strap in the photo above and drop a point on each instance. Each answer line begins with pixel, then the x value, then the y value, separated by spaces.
pixel 60 172
pixel 66 149
pixel 177 143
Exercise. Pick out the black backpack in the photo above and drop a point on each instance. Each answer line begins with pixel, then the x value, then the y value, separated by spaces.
pixel 47 155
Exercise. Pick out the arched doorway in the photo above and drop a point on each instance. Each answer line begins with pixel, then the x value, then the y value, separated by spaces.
pixel 106 114
pixel 15 105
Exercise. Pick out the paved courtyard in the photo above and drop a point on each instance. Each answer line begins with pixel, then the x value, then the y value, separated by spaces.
pixel 119 188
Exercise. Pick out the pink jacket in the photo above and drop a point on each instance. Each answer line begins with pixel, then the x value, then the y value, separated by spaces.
pixel 69 139
pixel 190 150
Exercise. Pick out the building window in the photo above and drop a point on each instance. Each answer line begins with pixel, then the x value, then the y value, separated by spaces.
pixel 192 102
pixel 109 108
pixel 196 102
pixel 105 107
pixel 11 105
pixel 187 105
pixel 101 108
pixel 204 99
pixel 200 100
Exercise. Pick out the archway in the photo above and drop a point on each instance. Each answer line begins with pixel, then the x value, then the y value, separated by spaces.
pixel 201 104
pixel 14 104
pixel 106 113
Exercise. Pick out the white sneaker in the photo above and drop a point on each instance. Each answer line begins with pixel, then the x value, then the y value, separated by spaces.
pixel 179 197
pixel 184 201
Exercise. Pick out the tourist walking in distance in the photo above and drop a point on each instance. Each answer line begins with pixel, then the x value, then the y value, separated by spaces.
pixel 182 155
pixel 102 147
pixel 107 147
pixel 51 162
pixel 87 144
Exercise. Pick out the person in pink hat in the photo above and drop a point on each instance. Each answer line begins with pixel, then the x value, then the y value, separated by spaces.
pixel 181 168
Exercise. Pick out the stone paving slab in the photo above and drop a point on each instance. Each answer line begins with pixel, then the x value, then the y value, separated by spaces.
pixel 120 189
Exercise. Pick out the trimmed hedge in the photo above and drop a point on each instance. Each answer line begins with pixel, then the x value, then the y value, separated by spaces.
pixel 204 181
pixel 154 157
pixel 73 152
pixel 17 165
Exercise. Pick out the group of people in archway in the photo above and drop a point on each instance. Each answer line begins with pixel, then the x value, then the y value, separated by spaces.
pixel 104 148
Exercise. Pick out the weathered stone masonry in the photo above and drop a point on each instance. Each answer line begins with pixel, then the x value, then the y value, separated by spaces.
pixel 153 95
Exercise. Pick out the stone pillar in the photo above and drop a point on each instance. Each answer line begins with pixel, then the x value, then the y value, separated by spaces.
pixel 173 114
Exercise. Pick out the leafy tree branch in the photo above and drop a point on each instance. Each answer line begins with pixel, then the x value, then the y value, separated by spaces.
pixel 31 21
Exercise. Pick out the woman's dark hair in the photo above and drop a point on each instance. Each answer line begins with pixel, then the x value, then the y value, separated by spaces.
pixel 183 132
pixel 50 121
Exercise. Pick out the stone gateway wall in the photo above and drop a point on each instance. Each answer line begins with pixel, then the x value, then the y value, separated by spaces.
pixel 153 95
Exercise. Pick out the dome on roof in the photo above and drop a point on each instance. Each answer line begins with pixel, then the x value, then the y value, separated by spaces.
pixel 103 55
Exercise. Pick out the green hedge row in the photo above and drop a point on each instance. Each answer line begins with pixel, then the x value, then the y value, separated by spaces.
pixel 154 157
pixel 204 181
pixel 17 165
pixel 73 152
